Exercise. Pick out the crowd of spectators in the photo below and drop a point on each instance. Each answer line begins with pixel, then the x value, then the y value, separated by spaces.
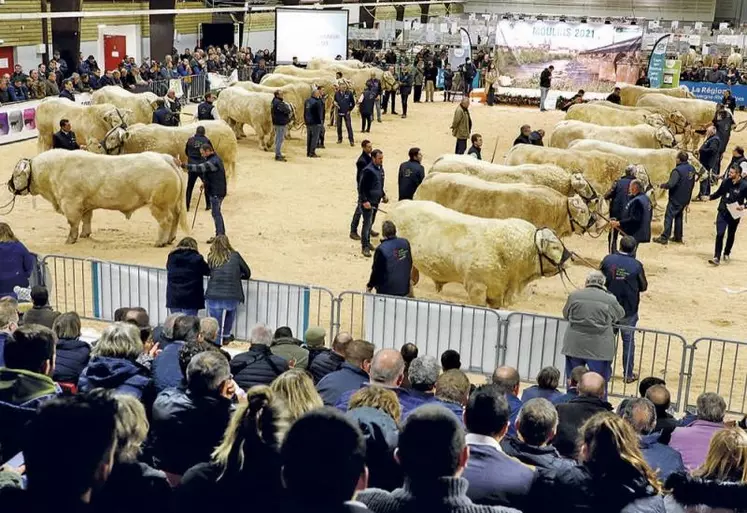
pixel 717 74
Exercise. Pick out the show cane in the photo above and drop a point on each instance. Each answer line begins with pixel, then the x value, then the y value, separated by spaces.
pixel 495 148
pixel 197 207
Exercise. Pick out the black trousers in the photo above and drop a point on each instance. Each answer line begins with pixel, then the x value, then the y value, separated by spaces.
pixel 418 93
pixel 348 124
pixel 191 180
pixel 404 103
pixel 389 95
pixel 673 215
pixel 461 146
pixel 725 224
pixel 366 120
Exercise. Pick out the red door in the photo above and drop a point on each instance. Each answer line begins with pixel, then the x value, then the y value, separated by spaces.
pixel 115 49
pixel 6 60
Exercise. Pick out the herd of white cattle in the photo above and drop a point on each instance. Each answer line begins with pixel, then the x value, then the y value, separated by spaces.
pixel 493 228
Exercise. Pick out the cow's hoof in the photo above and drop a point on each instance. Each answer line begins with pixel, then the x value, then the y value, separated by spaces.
pixel 171 241
pixel 85 235
pixel 160 244
pixel 70 240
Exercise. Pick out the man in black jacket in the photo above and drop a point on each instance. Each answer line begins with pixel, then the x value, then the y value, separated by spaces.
pixel 67 90
pixel 344 105
pixel 214 177
pixel 545 82
pixel 411 174
pixel 206 110
pixel 618 197
pixel 636 217
pixel 325 361
pixel 313 116
pixel 363 160
pixel 163 115
pixel 448 82
pixel 65 138
pixel 370 194
pixel 392 264
pixel 431 74
pixel 281 114
pixel 258 366
pixel 405 87
pixel 523 137
pixel 680 185
pixel 708 156
pixel 732 190
pixel 724 123
pixel 192 149
pixel 476 149
pixel 259 72
pixel 737 157
pixel 614 96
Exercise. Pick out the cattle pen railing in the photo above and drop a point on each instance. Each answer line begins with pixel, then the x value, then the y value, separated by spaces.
pixel 485 338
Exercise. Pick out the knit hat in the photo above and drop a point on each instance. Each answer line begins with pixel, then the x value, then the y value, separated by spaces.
pixel 315 336
pixel 595 279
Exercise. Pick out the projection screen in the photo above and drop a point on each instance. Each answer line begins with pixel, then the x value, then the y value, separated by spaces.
pixel 310 33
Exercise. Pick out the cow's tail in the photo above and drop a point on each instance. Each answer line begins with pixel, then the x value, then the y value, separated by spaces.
pixel 180 206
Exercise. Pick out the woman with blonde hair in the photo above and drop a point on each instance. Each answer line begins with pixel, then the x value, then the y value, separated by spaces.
pixel 247 459
pixel 225 290
pixel 16 262
pixel 611 476
pixel 296 388
pixel 720 484
pixel 185 269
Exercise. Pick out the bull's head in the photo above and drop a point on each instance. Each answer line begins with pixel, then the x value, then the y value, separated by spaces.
pixel 114 140
pixel 641 175
pixel 118 117
pixel 583 188
pixel 665 137
pixel 655 120
pixel 580 216
pixel 676 122
pixel 20 182
pixel 552 254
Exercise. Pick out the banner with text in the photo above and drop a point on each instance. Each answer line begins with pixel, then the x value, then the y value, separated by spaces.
pixel 18 120
pixel 657 62
pixel 592 56
pixel 715 92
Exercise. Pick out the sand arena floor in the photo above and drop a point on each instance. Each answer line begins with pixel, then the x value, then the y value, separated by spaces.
pixel 291 220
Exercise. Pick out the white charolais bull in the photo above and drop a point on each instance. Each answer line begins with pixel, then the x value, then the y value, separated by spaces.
pixel 319 63
pixel 238 107
pixel 142 105
pixel 636 136
pixel 595 112
pixel 327 84
pixel 630 94
pixel 171 140
pixel 78 182
pixel 495 259
pixel 295 93
pixel 537 204
pixel 698 114
pixel 86 120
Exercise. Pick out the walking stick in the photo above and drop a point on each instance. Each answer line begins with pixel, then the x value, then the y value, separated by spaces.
pixel 197 207
pixel 494 150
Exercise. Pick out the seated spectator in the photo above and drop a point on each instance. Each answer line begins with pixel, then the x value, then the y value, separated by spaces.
pixel 319 475
pixel 163 334
pixel 67 90
pixel 409 352
pixel 132 485
pixel 352 374
pixel 450 359
pixel 138 316
pixel 453 391
pixel 41 313
pixel 614 96
pixel 423 374
pixel 573 414
pixel 89 458
pixel 113 364
pixel 548 380
pixel 4 91
pixel 296 388
pixel 387 370
pixel 258 366
pixel 643 387
pixel 659 396
pixel 612 475
pixel 25 383
pixel 72 353
pixel 248 457
pixel 692 441
pixel 315 336
pixel 714 75
pixel 8 324
pixel 433 454
pixel 641 415
pixel 51 88
pixel 720 484
pixel 572 388
pixel 18 91
pixel 536 424
pixel 289 348
pixel 507 380
pixel 494 478
pixel 209 328
pixel 185 272
pixel 379 398
pixel 187 424
pixel 18 262
pixel 323 361
pixel 165 367
pixel 18 73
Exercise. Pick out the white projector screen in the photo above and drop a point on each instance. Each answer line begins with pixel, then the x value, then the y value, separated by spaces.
pixel 310 33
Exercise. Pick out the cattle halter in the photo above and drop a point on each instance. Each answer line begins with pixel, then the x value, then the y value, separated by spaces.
pixel 110 151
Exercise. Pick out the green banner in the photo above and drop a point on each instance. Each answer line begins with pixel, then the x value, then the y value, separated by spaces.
pixel 671 75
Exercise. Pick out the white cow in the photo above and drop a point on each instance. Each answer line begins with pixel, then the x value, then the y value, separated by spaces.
pixel 238 107
pixel 636 136
pixel 142 105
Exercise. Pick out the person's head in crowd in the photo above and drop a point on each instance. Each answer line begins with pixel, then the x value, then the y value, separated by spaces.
pixel 296 388
pixel 39 296
pixel 507 380
pixel 54 436
pixel 453 386
pixel 209 374
pixel 660 397
pixel 526 130
pixel 640 414
pixel 360 353
pixel 737 152
pixel 209 328
pixel 168 325
pixel 548 378
pixel 323 457
pixel 67 326
pixel 131 427
pixel 119 313
pixel 187 328
pixel 423 373
pixel 591 385
pixel 340 343
pixel 315 336
pixel 727 457
pixel 609 448
pixel 138 316
pixel 537 422
pixel 409 352
pixel 283 332
pixel 450 359
pixel 576 374
pixel 647 383
pixel 711 407
pixel 261 334
pixel 487 412
pixel 379 398
pixel 8 316
pixel 31 348
pixel 476 140
pixel 387 368
pixel 6 233
pixel 221 249
pixel 119 340
pixel 188 351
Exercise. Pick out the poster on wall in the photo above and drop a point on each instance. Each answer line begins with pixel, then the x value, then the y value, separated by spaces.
pixel 591 56
pixel 18 120
pixel 671 76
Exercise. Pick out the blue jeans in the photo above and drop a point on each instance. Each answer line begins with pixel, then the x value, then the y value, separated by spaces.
pixel 543 96
pixel 215 203
pixel 725 224
pixel 628 340
pixel 601 367
pixel 185 311
pixel 279 138
pixel 377 104
pixel 225 312
pixel 356 219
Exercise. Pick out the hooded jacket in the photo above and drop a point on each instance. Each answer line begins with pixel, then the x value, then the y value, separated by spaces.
pixel 118 374
pixel 381 435
pixel 72 356
pixel 697 495
pixel 185 269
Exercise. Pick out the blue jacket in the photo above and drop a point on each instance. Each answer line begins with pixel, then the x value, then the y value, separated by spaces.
pixel 625 279
pixel 709 152
pixel 345 102
pixel 680 185
pixel 514 404
pixel 381 435
pixel 115 374
pixel 72 357
pixel 535 391
pixel 185 269
pixel 545 457
pixel 618 196
pixel 660 457
pixel 392 265
pixel 18 94
pixel 4 335
pixel 636 218
pixel 165 368
pixel 371 184
pixel 334 384
pixel 569 394
pixel 16 265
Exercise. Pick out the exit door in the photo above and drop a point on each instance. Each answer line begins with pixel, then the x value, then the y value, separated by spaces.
pixel 6 60
pixel 115 49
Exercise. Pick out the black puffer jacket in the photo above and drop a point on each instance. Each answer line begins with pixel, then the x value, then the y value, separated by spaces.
pixel 225 281
pixel 185 269
pixel 546 457
pixel 133 487
pixel 694 494
pixel 322 361
pixel 258 366
pixel 72 356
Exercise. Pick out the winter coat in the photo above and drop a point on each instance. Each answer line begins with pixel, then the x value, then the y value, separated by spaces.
pixel 185 269
pixel 591 312
pixel 461 126
pixel 165 368
pixel 535 391
pixel 545 457
pixel 693 440
pixel 133 487
pixel 571 417
pixel 697 495
pixel 118 374
pixel 16 265
pixel 381 435
pixel 323 362
pixel 71 358
pixel 225 280
pixel 290 349
pixel 41 315
pixel 661 458
pixel 257 366
pixel 333 385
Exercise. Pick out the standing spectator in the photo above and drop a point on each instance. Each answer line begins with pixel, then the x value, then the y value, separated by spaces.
pixel 545 84
pixel 344 105
pixel 214 177
pixel 185 269
pixel 494 478
pixel 643 80
pixel 65 138
pixel 408 352
pixel 461 126
pixel 281 113
pixel 405 87
pixel 258 366
pixel 71 353
pixel 548 380
pixel 8 323
pixel 490 78
pixel 390 85
pixel 194 156
pixel 411 174
pixel 523 137
pixel 448 82
pixel 708 155
pixel 41 313
pixel 507 380
pixel 614 96
pixel 680 186
pixel 572 389
pixel 641 415
pixel 364 160
pixel 392 264
pixel 224 290
pixel 352 373
pixel 370 194
pixel 733 190
pixel 589 339
pixel 431 74
pixel 207 111
pixel 296 388
pixel 692 441
pixel 475 150
pixel 313 116
pixel 324 361
pixel 418 78
pixel 625 278
pixel 572 415
pixel 17 262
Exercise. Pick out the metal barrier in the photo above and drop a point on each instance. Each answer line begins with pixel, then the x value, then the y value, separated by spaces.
pixel 721 371
pixel 194 87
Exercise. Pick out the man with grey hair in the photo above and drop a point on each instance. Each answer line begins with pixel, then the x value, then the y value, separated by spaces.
pixel 589 340
pixel 641 414
pixel 258 366
pixel 692 441
pixel 164 334
pixel 422 374
pixel 209 328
